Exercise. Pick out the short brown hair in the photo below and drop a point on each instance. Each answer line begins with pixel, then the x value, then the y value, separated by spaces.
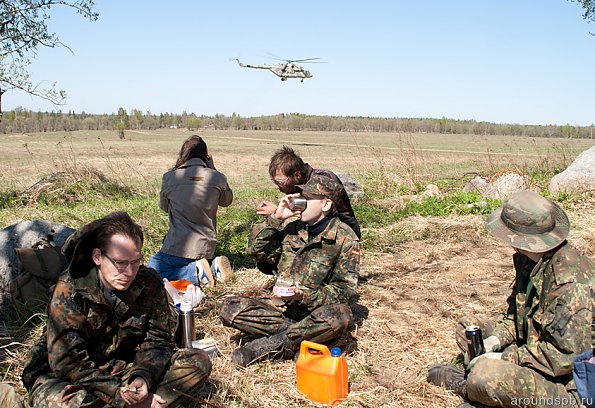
pixel 118 222
pixel 288 161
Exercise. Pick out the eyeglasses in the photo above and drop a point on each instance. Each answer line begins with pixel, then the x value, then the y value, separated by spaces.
pixel 281 182
pixel 122 265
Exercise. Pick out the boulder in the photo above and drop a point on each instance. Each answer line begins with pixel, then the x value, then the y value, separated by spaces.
pixel 477 183
pixel 578 177
pixel 352 187
pixel 505 185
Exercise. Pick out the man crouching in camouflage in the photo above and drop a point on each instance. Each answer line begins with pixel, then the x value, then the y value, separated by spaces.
pixel 108 339
pixel 529 355
pixel 320 255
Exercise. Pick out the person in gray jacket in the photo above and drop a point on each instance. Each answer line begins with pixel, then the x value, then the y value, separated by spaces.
pixel 190 194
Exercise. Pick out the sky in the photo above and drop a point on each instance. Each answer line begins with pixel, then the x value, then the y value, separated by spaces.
pixel 507 61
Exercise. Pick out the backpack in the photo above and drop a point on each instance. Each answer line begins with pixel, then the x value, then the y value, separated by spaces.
pixel 39 268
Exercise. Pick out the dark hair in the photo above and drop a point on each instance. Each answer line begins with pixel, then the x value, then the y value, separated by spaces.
pixel 114 223
pixel 194 147
pixel 288 161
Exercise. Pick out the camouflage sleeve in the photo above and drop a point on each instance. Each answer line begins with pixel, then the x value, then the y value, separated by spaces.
pixel 154 354
pixel 565 318
pixel 505 330
pixel 265 242
pixel 342 286
pixel 67 347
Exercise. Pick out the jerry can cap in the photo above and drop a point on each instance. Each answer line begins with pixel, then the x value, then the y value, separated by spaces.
pixel 336 352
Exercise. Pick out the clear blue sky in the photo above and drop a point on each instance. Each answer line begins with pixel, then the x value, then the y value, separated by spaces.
pixel 508 61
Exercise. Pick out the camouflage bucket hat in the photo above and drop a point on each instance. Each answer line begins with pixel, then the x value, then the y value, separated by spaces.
pixel 529 221
pixel 322 186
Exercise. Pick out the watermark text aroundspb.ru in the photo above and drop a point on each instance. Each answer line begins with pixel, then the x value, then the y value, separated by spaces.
pixel 547 401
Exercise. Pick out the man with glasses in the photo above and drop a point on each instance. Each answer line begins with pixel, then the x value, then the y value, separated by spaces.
pixel 288 170
pixel 109 334
pixel 319 255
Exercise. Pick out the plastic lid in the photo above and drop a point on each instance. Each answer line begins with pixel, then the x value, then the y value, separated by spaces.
pixel 335 352
pixel 185 306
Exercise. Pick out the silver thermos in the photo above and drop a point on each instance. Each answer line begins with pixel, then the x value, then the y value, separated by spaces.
pixel 186 334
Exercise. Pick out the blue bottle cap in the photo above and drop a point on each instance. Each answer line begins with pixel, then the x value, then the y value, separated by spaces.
pixel 335 352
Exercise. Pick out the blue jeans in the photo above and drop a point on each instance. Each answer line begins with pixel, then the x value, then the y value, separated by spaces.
pixel 174 267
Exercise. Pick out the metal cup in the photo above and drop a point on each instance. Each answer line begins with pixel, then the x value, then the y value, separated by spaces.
pixel 298 203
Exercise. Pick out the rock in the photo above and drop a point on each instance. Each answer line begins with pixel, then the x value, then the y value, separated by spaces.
pixel 578 177
pixel 477 183
pixel 24 235
pixel 432 190
pixel 352 187
pixel 505 185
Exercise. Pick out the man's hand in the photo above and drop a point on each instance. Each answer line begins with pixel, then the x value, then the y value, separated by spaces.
pixel 265 208
pixel 491 343
pixel 492 355
pixel 296 295
pixel 152 401
pixel 283 211
pixel 135 392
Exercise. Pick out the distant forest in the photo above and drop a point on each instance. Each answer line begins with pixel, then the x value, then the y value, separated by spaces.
pixel 25 121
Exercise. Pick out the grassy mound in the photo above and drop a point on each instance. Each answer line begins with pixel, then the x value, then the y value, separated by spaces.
pixel 71 186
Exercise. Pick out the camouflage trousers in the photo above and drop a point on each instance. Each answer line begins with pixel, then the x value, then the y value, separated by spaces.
pixel 263 317
pixel 499 383
pixel 9 398
pixel 189 369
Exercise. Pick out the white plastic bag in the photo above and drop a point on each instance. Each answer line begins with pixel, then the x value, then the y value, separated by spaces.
pixel 192 294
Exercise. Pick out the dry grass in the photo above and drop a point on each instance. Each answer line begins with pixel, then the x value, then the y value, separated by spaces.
pixel 410 301
pixel 426 273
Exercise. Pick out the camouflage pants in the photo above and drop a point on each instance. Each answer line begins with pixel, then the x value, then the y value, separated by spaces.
pixel 261 317
pixel 9 397
pixel 188 371
pixel 502 384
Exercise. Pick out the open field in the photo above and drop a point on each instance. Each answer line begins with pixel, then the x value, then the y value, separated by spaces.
pixel 243 155
pixel 419 274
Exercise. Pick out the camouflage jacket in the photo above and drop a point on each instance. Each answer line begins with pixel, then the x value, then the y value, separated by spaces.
pixel 89 342
pixel 326 267
pixel 549 315
pixel 344 209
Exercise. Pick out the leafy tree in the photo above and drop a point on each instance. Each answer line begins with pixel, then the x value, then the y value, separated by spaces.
pixel 122 122
pixel 23 29
pixel 588 8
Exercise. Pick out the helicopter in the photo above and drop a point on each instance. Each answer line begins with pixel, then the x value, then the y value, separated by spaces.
pixel 289 69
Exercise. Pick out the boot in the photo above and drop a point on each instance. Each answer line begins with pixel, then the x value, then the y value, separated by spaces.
pixel 450 377
pixel 203 272
pixel 221 269
pixel 275 346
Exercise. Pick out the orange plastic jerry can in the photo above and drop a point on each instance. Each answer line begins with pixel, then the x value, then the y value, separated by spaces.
pixel 321 374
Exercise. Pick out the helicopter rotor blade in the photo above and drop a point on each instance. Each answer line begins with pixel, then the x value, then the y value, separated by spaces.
pixel 304 60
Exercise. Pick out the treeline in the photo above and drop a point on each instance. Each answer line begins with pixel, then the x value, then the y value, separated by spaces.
pixel 25 121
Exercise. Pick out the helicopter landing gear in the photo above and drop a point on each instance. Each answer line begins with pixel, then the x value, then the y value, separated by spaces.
pixel 283 79
pixel 302 80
